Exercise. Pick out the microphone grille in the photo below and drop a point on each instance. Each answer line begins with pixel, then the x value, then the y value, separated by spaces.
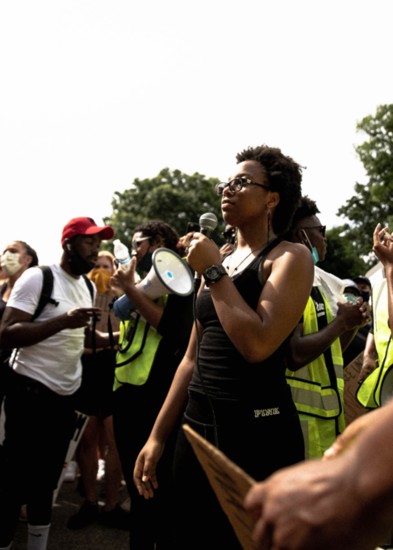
pixel 208 221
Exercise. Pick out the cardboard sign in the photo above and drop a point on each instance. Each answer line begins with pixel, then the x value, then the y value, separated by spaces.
pixel 352 407
pixel 229 482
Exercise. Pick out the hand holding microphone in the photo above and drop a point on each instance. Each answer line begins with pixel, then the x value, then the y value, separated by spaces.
pixel 208 222
pixel 201 249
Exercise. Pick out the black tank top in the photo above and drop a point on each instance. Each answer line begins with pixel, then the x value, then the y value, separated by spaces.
pixel 223 372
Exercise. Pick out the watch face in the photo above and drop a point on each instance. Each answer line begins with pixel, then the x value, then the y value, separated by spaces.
pixel 214 273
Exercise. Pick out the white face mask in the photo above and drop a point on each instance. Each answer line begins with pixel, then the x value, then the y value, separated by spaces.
pixel 10 263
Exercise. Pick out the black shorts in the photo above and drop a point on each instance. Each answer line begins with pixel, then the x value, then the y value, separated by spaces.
pixel 95 395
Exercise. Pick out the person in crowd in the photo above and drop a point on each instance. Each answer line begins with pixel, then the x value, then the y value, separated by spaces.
pixel 231 380
pixel 315 363
pixel 229 235
pixel 46 372
pixel 345 500
pixel 375 377
pixel 370 356
pixel 364 285
pixel 94 398
pixel 361 287
pixel 151 345
pixel 16 258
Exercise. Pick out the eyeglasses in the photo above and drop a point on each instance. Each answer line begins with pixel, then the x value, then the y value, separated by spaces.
pixel 321 229
pixel 237 185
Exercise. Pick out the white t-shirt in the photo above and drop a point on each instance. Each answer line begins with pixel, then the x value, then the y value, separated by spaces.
pixel 331 286
pixel 56 360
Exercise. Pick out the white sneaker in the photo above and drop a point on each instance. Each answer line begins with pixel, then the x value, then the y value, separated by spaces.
pixel 101 469
pixel 71 471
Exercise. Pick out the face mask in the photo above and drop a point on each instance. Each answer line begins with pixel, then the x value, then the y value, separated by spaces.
pixel 78 265
pixel 315 255
pixel 10 263
pixel 145 264
pixel 101 278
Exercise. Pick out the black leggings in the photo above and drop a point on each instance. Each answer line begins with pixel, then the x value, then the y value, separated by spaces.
pixel 39 425
pixel 135 409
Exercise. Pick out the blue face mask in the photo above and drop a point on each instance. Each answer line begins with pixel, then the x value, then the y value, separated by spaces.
pixel 315 255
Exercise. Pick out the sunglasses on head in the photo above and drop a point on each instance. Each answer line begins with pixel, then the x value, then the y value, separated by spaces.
pixel 138 242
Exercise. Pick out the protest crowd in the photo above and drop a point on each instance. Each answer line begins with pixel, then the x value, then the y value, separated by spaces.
pixel 103 361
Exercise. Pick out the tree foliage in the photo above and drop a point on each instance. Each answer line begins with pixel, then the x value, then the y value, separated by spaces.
pixel 372 202
pixel 178 198
pixel 171 196
pixel 340 259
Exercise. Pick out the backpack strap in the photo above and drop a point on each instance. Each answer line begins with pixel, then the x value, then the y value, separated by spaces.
pixel 46 291
pixel 90 287
pixel 46 295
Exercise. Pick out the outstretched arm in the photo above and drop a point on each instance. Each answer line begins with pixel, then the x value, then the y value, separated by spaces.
pixel 383 249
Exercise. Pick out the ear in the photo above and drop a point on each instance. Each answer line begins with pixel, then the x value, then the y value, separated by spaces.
pixel 274 199
pixel 158 242
pixel 67 246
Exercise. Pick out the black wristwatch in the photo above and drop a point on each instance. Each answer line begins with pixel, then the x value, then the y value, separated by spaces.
pixel 213 274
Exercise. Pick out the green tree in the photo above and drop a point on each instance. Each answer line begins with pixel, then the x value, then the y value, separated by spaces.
pixel 340 259
pixel 171 196
pixel 372 202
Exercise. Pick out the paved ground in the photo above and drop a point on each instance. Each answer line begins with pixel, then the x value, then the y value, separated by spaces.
pixel 93 537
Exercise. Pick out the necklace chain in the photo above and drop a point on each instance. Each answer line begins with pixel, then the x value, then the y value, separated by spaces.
pixel 245 258
pixel 260 248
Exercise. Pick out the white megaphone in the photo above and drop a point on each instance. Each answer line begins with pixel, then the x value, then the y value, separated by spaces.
pixel 169 274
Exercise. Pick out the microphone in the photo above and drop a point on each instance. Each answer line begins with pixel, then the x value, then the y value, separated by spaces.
pixel 208 222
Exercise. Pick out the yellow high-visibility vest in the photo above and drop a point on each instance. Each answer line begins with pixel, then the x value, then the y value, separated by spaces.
pixel 377 387
pixel 138 344
pixel 318 388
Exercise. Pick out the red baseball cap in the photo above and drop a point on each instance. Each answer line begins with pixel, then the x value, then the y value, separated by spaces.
pixel 85 226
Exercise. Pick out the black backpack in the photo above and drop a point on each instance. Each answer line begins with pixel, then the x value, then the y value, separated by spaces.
pixel 47 289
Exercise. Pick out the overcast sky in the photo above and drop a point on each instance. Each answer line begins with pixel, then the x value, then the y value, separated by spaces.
pixel 97 93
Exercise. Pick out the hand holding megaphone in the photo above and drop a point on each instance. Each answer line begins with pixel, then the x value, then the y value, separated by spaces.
pixel 169 274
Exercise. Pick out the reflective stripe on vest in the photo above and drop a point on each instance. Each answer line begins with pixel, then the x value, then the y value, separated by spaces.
pixel 138 344
pixel 312 389
pixel 376 388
